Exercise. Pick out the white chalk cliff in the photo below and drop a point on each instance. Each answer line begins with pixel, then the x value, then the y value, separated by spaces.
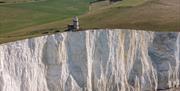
pixel 93 60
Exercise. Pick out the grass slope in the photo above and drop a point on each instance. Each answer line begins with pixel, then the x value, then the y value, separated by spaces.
pixel 17 16
pixel 16 1
pixel 156 15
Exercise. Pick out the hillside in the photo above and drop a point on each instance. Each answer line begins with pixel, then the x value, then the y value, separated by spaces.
pixel 16 1
pixel 28 20
pixel 17 16
pixel 154 15
pixel 14 17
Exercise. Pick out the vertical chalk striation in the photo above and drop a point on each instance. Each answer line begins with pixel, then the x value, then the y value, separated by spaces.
pixel 92 60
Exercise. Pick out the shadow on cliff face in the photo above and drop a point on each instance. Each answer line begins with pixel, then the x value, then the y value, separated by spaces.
pixel 163 54
pixel 1 82
pixel 77 57
pixel 51 60
pixel 101 58
pixel 71 64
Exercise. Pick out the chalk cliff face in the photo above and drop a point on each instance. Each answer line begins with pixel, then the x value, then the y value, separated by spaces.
pixel 101 60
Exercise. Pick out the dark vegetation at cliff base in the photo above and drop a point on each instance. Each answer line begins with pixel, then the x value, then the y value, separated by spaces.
pixel 26 20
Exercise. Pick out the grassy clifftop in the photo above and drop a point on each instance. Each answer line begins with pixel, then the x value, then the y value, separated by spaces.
pixel 22 15
pixel 154 15
pixel 27 20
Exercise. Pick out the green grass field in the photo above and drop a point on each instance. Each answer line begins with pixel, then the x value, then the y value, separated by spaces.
pixel 17 1
pixel 17 16
pixel 19 20
pixel 26 20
